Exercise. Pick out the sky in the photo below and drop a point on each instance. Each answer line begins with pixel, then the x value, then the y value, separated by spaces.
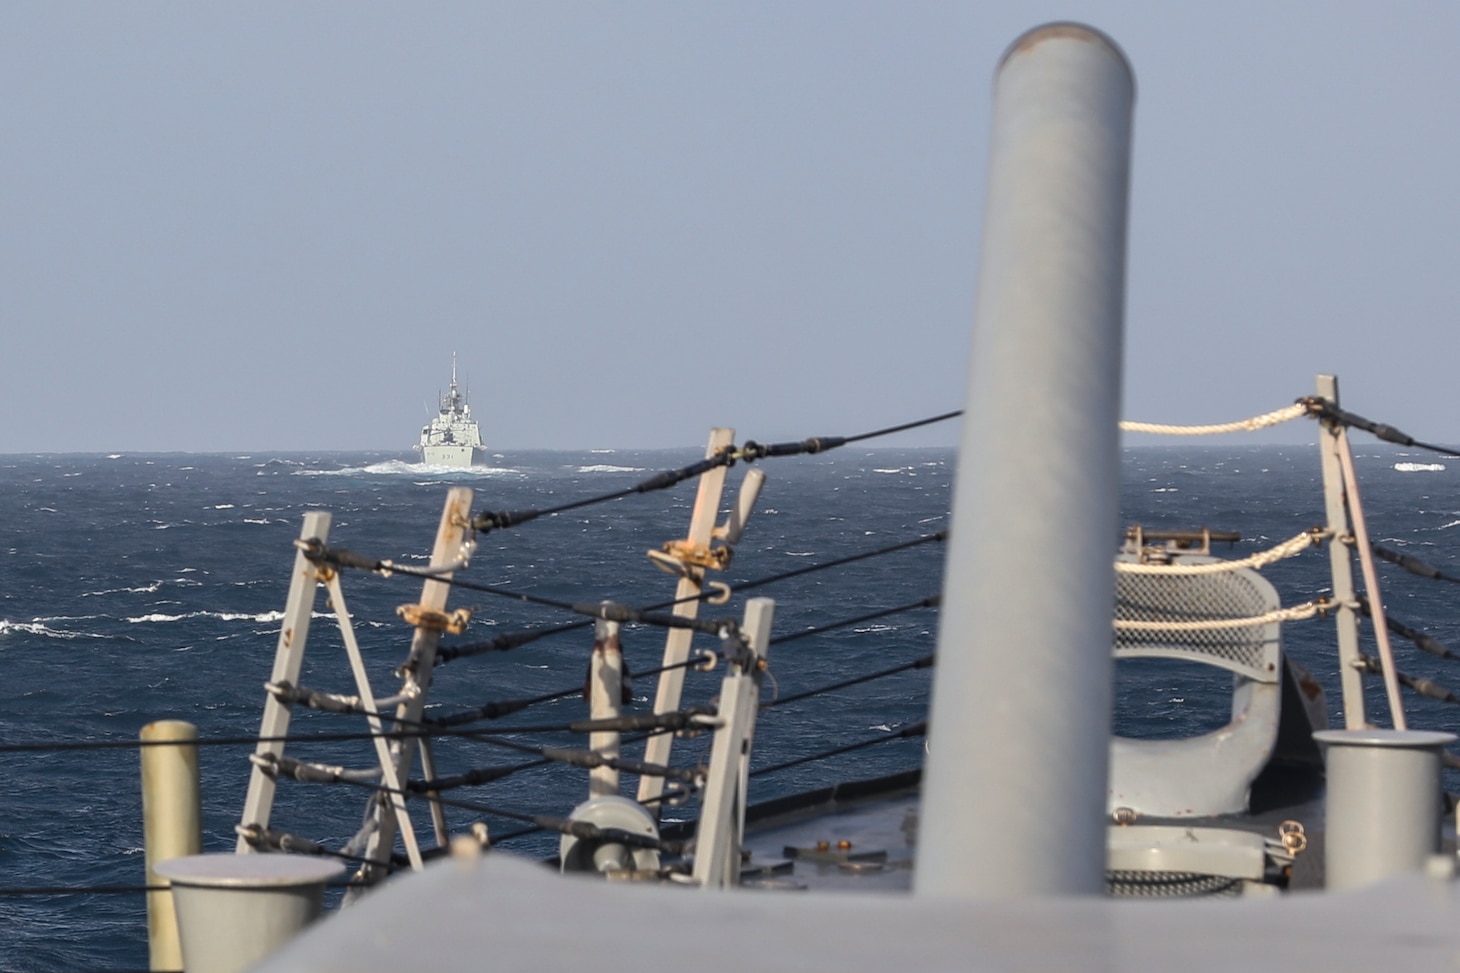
pixel 268 226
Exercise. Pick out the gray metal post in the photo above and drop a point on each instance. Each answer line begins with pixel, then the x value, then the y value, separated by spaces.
pixel 1384 803
pixel 722 811
pixel 171 825
pixel 416 675
pixel 605 698
pixel 1014 794
pixel 258 805
pixel 1340 560
pixel 676 643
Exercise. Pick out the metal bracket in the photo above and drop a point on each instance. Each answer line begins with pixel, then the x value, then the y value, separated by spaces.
pixel 437 621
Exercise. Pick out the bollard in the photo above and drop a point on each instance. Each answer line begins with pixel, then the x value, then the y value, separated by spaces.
pixel 1014 792
pixel 233 910
pixel 1384 803
pixel 171 825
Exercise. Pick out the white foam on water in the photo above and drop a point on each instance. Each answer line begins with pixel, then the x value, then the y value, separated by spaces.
pixel 397 467
pixel 1420 467
pixel 38 627
pixel 603 468
pixel 144 589
pixel 268 616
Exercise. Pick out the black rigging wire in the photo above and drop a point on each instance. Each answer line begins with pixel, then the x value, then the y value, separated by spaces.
pixel 932 601
pixel 922 663
pixel 751 451
pixel 1323 409
pixel 1412 564
pixel 510 640
pixel 1426 643
pixel 914 730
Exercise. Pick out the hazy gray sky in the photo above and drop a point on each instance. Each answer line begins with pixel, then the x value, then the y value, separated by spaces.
pixel 268 225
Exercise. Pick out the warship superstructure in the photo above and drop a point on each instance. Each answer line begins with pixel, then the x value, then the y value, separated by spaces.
pixel 452 437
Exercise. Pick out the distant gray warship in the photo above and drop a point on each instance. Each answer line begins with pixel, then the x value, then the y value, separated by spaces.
pixel 452 436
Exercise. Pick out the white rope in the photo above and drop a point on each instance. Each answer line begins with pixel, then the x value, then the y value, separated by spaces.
pixel 1288 548
pixel 1242 425
pixel 1295 614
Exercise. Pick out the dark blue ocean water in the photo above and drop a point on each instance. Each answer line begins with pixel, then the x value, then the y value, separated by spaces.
pixel 137 587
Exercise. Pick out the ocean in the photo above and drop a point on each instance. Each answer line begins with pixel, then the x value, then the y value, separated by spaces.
pixel 142 587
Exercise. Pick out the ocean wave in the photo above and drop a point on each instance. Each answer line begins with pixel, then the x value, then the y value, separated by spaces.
pixel 269 616
pixel 605 468
pixel 38 627
pixel 397 467
pixel 146 589
pixel 1420 467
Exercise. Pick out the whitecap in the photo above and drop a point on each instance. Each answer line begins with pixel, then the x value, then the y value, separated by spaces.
pixel 397 467
pixel 1420 467
pixel 799 553
pixel 603 468
pixel 143 589
pixel 113 455
pixel 39 628
pixel 223 506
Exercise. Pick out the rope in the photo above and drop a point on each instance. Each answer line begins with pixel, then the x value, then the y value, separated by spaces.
pixel 1293 614
pixel 1273 418
pixel 1288 548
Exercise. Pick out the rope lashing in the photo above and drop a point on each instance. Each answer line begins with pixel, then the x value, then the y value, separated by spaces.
pixel 1328 412
pixel 1412 564
pixel 1289 548
pixel 1296 613
pixel 1276 417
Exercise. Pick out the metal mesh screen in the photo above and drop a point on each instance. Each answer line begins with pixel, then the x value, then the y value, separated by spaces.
pixel 1183 885
pixel 1250 650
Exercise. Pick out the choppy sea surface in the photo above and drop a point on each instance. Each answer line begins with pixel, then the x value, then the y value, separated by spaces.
pixel 142 587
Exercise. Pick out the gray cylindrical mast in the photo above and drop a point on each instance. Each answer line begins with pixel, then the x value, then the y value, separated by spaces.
pixel 1014 796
